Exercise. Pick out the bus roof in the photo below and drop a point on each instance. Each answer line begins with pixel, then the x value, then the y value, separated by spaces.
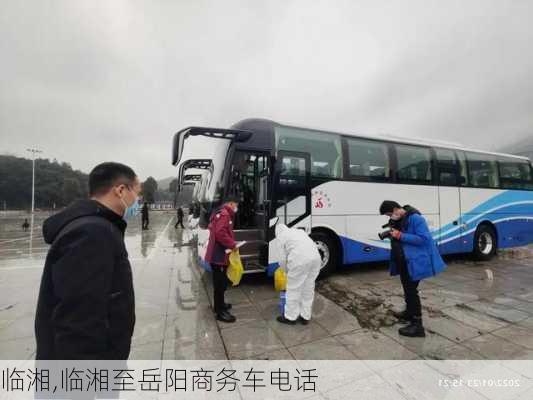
pixel 261 126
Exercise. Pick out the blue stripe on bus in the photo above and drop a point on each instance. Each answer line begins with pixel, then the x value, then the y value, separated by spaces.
pixel 506 204
pixel 356 252
pixel 512 233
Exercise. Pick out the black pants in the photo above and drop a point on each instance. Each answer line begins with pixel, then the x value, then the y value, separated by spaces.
pixel 220 284
pixel 145 223
pixel 410 292
pixel 180 222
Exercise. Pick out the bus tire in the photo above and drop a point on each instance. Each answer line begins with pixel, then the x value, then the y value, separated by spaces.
pixel 485 243
pixel 327 248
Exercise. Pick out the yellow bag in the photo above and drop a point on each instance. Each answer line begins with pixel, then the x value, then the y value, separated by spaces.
pixel 235 268
pixel 280 279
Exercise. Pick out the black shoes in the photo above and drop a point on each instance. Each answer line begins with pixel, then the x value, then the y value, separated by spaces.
pixel 225 316
pixel 300 319
pixel 414 329
pixel 225 307
pixel 284 320
pixel 403 316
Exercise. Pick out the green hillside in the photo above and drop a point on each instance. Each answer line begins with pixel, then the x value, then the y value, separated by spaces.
pixel 55 183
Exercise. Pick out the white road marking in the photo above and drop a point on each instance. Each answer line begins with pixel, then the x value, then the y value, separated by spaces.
pixel 13 240
pixel 156 244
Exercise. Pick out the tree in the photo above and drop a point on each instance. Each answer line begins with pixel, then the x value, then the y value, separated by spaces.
pixel 173 186
pixel 149 188
pixel 55 183
pixel 71 190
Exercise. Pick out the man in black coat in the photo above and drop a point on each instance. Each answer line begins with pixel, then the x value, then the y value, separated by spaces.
pixel 180 219
pixel 145 217
pixel 86 306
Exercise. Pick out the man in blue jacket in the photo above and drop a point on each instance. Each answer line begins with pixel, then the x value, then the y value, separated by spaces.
pixel 414 256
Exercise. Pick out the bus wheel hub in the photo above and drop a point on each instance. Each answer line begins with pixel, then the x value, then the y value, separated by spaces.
pixel 323 249
pixel 485 243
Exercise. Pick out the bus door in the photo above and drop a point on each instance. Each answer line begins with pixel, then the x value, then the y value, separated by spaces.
pixel 249 181
pixel 292 191
pixel 450 236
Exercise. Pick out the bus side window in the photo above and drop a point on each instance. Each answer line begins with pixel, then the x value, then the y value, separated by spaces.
pixel 447 167
pixel 483 170
pixel 514 174
pixel 324 148
pixel 414 164
pixel 368 159
pixel 292 173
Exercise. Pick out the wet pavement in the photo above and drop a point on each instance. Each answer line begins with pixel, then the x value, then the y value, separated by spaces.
pixel 473 310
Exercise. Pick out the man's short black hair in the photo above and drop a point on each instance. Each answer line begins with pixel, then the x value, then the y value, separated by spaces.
pixel 106 175
pixel 388 206
pixel 232 199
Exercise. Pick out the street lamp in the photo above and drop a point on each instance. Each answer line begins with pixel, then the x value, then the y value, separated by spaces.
pixel 33 152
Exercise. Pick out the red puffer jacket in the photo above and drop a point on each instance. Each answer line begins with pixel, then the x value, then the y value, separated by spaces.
pixel 220 236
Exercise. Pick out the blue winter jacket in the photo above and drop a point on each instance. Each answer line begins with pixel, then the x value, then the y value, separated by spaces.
pixel 420 250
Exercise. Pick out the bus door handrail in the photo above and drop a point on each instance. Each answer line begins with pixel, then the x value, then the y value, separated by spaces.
pixel 285 209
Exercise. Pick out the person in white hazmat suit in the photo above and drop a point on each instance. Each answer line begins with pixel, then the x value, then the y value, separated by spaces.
pixel 301 259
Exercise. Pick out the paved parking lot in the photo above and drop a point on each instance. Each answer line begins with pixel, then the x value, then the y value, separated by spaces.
pixel 471 311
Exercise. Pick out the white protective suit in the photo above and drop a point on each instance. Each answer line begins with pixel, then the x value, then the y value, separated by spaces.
pixel 301 259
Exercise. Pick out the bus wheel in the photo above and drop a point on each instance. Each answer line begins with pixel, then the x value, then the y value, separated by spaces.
pixel 485 243
pixel 328 252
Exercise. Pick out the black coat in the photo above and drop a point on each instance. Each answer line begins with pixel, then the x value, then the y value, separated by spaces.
pixel 86 307
pixel 144 212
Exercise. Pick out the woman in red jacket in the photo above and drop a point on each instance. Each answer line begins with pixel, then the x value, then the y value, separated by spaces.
pixel 221 239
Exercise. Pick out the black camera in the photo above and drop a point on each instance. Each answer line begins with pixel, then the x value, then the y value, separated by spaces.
pixel 387 232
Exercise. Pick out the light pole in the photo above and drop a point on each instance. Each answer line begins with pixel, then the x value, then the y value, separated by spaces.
pixel 33 152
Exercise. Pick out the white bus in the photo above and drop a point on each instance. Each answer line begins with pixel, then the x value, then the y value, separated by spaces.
pixel 332 184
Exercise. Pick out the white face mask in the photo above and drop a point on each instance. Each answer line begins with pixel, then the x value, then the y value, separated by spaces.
pixel 235 210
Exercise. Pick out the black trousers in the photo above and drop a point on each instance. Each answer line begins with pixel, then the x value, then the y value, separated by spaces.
pixel 145 223
pixel 180 222
pixel 220 284
pixel 410 292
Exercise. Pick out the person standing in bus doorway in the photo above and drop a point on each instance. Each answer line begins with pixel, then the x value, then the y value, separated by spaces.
pixel 414 256
pixel 145 216
pixel 302 261
pixel 180 219
pixel 86 304
pixel 221 242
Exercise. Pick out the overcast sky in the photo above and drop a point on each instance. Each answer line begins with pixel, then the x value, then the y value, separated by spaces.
pixel 90 81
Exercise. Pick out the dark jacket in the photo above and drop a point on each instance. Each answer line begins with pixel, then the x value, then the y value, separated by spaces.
pixel 180 213
pixel 144 211
pixel 86 306
pixel 220 236
pixel 419 249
